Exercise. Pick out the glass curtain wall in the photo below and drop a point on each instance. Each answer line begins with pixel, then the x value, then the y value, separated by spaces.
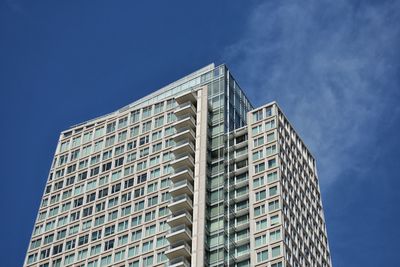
pixel 227 111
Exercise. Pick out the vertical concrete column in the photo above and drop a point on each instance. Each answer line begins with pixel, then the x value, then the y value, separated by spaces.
pixel 200 177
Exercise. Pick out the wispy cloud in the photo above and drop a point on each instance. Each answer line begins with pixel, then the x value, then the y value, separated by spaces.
pixel 331 65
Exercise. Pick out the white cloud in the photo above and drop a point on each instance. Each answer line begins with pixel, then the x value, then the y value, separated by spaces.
pixel 330 65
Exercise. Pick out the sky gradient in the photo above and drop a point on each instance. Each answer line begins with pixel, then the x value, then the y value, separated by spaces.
pixel 333 66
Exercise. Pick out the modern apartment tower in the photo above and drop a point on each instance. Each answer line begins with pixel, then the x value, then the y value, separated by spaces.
pixel 190 175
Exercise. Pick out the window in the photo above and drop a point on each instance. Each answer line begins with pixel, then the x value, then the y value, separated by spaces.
pixel 259 141
pixel 136 221
pixel 143 140
pixel 109 230
pixel 149 216
pixel 270 137
pixel 148 261
pixel 271 150
pixel 119 150
pixel 87 137
pixel 139 205
pixel 158 107
pixel 128 183
pixel 158 122
pixel 107 155
pixel 259 167
pixel 147 246
pixel 119 162
pixel 110 141
pixel 146 112
pixel 99 132
pixel 156 135
pixel 122 122
pixel 141 178
pixel 271 163
pixel 152 187
pixel 95 250
pixel 157 147
pixel 131 157
pixel 269 125
pixel 135 116
pixel 137 235
pixel 257 155
pixel 272 177
pixel 261 224
pixel 261 195
pixel 276 251
pixel 268 111
pixel 122 240
pixel 110 127
pixel 273 205
pixel 133 251
pixel 83 240
pixel 272 191
pixel 261 240
pixel 150 230
pixel 275 236
pixel 258 115
pixel 144 152
pixel 259 181
pixel 259 210
pixel 131 145
pixel 262 256
pixel 96 235
pixel 146 126
pixel 134 131
pixel 256 129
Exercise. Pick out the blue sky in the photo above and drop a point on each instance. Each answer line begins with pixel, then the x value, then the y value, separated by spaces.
pixel 333 66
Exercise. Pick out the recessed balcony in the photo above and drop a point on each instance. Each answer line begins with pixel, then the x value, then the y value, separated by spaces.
pixel 185 109
pixel 182 202
pixel 178 233
pixel 179 218
pixel 182 174
pixel 180 188
pixel 177 250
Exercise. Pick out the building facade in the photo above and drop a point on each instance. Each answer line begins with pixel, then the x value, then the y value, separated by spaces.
pixel 191 175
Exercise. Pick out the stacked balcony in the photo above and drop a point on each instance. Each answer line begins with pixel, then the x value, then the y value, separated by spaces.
pixel 239 194
pixel 182 178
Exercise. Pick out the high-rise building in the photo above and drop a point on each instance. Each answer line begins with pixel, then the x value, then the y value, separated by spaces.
pixel 190 175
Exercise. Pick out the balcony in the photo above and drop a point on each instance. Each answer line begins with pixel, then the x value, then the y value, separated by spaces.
pixel 238 211
pixel 181 217
pixel 241 197
pixel 240 145
pixel 182 202
pixel 179 262
pixel 184 133
pixel 242 256
pixel 184 146
pixel 180 188
pixel 182 174
pixel 178 250
pixel 184 122
pixel 179 233
pixel 185 108
pixel 242 240
pixel 182 161
pixel 186 97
